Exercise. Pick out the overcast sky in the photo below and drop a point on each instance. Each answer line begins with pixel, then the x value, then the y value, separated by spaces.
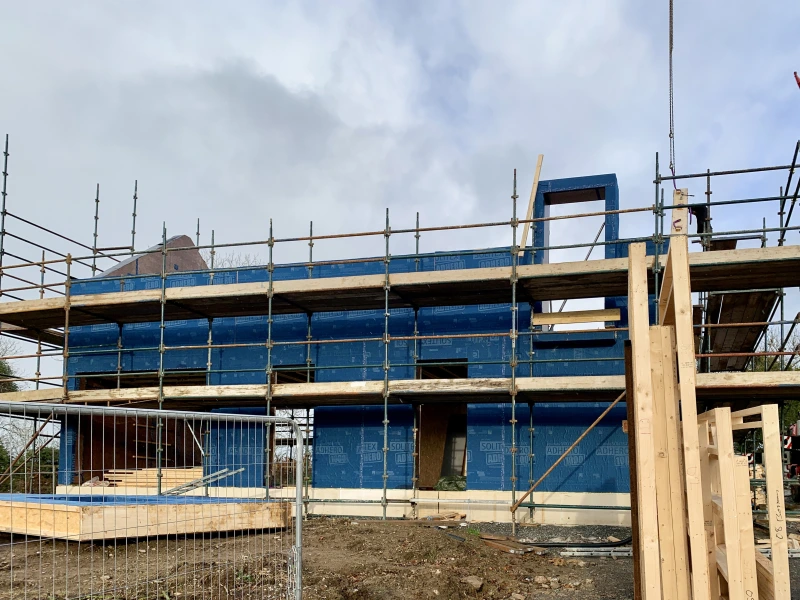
pixel 240 112
pixel 333 111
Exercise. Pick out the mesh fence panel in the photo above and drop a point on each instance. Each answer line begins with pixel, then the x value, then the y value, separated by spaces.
pixel 126 503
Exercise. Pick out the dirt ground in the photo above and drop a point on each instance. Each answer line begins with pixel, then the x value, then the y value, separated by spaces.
pixel 386 561
pixel 343 559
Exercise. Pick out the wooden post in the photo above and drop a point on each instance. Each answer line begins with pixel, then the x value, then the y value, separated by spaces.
pixel 675 306
pixel 708 513
pixel 659 367
pixel 529 214
pixel 637 576
pixel 773 468
pixel 727 494
pixel 675 469
pixel 639 329
pixel 744 513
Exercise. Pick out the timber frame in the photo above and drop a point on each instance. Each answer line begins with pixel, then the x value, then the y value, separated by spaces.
pixel 694 523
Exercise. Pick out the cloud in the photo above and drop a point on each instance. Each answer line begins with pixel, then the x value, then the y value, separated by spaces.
pixel 332 112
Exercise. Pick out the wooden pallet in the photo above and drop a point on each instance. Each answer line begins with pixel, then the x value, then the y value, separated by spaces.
pixel 726 490
pixel 148 478
pixel 772 574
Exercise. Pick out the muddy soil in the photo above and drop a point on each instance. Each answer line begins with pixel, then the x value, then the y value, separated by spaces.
pixel 343 559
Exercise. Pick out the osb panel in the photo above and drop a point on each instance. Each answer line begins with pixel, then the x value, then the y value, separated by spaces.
pixel 432 438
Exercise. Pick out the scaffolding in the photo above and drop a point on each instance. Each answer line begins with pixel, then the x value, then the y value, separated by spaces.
pixel 42 312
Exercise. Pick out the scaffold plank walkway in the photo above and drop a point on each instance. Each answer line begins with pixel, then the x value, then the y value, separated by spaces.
pixel 710 271
pixel 710 386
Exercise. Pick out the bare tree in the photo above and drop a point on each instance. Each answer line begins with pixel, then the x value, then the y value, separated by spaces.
pixel 231 260
pixel 791 408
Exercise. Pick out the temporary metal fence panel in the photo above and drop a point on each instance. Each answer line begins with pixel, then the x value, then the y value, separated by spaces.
pixel 124 503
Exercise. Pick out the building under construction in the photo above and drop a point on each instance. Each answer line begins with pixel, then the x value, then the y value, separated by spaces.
pixel 424 382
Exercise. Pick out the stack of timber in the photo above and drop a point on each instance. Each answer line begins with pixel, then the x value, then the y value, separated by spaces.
pixel 148 478
pixel 690 493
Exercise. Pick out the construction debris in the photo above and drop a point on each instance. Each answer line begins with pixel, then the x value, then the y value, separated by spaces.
pixel 446 516
pixel 476 583
pixel 510 545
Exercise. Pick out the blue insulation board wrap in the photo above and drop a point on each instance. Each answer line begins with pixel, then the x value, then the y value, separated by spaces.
pixel 348 447
pixel 68 450
pixel 578 354
pixel 237 445
pixel 598 464
pixel 94 348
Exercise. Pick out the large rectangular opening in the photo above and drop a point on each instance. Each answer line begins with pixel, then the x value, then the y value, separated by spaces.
pixel 451 368
pixel 110 381
pixel 442 441
pixel 293 374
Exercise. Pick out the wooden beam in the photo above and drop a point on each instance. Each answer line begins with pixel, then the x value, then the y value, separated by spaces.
pixel 675 466
pixel 711 271
pixel 639 333
pixel 681 307
pixel 705 456
pixel 630 423
pixel 666 533
pixel 679 225
pixel 531 202
pixel 727 492
pixel 744 512
pixel 478 389
pixel 776 509
pixel 577 316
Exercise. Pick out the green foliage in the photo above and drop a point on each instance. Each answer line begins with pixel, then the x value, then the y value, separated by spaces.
pixel 6 372
pixel 36 472
pixel 791 408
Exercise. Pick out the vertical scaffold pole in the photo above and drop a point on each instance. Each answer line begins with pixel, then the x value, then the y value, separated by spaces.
pixel 119 355
pixel 212 253
pixel 133 216
pixel 65 352
pixel 39 337
pixel 309 362
pixel 783 318
pixel 268 441
pixel 658 241
pixel 415 408
pixel 386 363
pixel 513 358
pixel 531 433
pixel 96 220
pixel 3 211
pixel 209 342
pixel 707 223
pixel 781 214
pixel 416 308
pixel 210 338
pixel 307 457
pixel 162 327
pixel 531 455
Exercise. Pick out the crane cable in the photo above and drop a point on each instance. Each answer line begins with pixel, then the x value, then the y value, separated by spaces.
pixel 671 97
